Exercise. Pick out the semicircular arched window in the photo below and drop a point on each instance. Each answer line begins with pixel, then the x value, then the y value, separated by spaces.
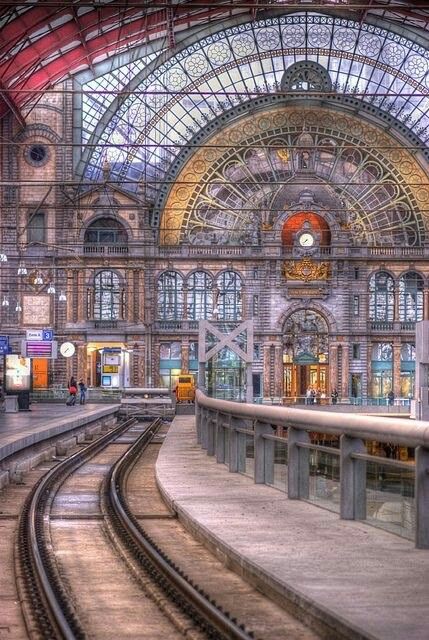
pixel 200 296
pixel 106 231
pixel 107 296
pixel 170 296
pixel 306 75
pixel 381 297
pixel 411 297
pixel 228 297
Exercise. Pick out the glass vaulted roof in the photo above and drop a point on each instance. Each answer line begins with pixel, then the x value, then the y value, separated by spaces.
pixel 166 104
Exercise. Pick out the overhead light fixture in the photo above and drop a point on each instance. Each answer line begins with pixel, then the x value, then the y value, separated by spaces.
pixel 62 297
pixel 38 279
pixel 18 307
pixel 3 257
pixel 51 288
pixel 22 270
pixel 5 302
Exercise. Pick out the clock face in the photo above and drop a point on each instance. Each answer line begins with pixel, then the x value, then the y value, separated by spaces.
pixel 306 239
pixel 67 349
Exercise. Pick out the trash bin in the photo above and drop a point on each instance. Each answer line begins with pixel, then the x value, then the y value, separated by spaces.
pixel 11 404
pixel 24 401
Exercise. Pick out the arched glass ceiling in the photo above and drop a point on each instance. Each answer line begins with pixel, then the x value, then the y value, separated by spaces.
pixel 169 104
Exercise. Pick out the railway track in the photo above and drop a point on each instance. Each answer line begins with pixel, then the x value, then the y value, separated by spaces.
pixel 51 578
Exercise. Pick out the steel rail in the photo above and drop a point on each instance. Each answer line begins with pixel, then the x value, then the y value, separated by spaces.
pixel 193 594
pixel 33 549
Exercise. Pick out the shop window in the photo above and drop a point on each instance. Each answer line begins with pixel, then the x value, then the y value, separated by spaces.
pixel 193 350
pixel 170 350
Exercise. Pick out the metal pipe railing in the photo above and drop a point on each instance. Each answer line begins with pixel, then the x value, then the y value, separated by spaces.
pixel 224 429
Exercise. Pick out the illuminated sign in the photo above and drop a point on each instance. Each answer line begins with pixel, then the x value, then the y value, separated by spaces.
pixel 18 370
pixel 39 349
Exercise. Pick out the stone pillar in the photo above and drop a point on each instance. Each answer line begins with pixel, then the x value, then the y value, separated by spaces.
pixel 80 295
pixel 345 371
pixel 396 365
pixel 369 371
pixel 333 368
pixel 266 372
pixel 185 355
pixel 278 370
pixel 81 362
pixel 396 307
pixel 425 303
pixel 185 304
pixel 69 294
pixel 129 296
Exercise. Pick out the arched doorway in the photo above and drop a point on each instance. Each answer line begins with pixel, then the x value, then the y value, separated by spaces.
pixel 305 355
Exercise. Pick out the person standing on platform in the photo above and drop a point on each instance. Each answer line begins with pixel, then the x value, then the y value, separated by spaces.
pixel 72 392
pixel 390 397
pixel 334 396
pixel 82 391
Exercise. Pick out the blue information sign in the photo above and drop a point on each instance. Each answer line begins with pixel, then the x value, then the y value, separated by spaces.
pixel 48 335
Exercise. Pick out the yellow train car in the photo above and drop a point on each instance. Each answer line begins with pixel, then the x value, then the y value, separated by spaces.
pixel 185 389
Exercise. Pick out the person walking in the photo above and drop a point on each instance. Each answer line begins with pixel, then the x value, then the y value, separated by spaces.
pixel 82 391
pixel 72 392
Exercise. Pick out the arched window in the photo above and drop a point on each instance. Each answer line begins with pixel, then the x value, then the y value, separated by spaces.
pixel 381 297
pixel 411 297
pixel 107 296
pixel 170 296
pixel 227 297
pixel 200 296
pixel 106 231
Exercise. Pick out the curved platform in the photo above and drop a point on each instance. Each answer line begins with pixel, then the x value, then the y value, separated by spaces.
pixel 344 578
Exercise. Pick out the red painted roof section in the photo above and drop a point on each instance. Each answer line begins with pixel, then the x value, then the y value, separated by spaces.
pixel 42 43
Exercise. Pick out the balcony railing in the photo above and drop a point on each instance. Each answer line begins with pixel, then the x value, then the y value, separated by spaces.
pixel 381 325
pixel 319 457
pixel 105 324
pixel 107 249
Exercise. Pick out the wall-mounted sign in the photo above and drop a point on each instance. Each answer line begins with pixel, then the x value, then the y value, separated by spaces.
pixel 110 368
pixel 39 349
pixel 18 373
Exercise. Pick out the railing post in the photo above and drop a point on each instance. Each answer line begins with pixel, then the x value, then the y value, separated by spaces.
pixel 204 428
pixel 264 456
pixel 233 446
pixel 298 468
pixel 220 439
pixel 198 415
pixel 422 497
pixel 212 427
pixel 352 479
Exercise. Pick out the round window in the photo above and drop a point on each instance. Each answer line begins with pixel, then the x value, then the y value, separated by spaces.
pixel 37 154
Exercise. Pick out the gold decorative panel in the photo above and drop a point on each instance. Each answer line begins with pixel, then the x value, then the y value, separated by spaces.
pixel 306 270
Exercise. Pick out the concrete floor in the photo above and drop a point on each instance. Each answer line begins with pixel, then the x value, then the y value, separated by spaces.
pixel 362 581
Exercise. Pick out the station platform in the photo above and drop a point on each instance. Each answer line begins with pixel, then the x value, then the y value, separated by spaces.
pixel 44 421
pixel 346 579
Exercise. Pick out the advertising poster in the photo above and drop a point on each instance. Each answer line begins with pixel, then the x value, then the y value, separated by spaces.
pixel 18 373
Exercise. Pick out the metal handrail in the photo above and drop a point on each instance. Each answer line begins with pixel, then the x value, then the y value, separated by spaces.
pixel 400 431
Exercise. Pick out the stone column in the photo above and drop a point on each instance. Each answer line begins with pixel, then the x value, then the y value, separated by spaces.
pixel 333 367
pixel 278 370
pixel 266 371
pixel 185 355
pixel 81 362
pixel 396 364
pixel 69 294
pixel 425 303
pixel 185 303
pixel 80 295
pixel 129 296
pixel 396 307
pixel 369 371
pixel 345 371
